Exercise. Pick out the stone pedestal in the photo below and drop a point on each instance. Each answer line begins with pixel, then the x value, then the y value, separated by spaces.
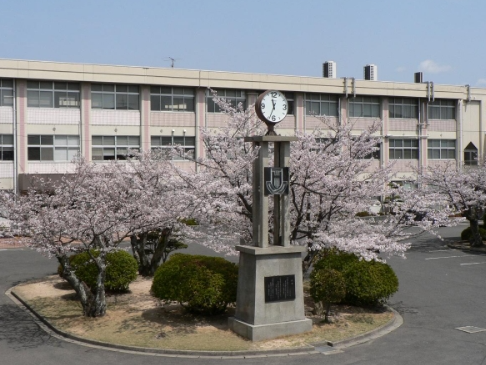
pixel 270 300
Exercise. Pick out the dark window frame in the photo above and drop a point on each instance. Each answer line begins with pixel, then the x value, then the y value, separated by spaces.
pixel 53 94
pixel 320 104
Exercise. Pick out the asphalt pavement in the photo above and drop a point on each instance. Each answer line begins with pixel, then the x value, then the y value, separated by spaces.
pixel 441 291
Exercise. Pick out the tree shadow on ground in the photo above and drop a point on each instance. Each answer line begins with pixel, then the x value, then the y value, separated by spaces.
pixel 19 331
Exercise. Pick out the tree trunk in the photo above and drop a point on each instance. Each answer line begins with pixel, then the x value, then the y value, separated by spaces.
pixel 476 240
pixel 328 311
pixel 93 305
pixel 138 247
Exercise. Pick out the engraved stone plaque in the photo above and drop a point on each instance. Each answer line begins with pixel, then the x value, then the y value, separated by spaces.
pixel 279 288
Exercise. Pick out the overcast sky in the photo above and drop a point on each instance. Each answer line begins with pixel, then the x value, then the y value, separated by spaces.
pixel 446 39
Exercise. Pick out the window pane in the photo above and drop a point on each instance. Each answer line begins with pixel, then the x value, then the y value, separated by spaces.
pixel 45 99
pixel 33 140
pixel 415 154
pixel 8 154
pixel 155 89
pixel 108 154
pixel 165 90
pixel 72 153
pixel 190 141
pixel 109 140
pixel 74 86
pixel 96 101
pixel 108 87
pixel 32 84
pixel 434 143
pixel 407 154
pixel 60 85
pixel 451 154
pixel 121 88
pixel 97 154
pixel 189 92
pixel 7 83
pixel 47 140
pixel 133 102
pixel 122 141
pixel 134 141
pixel 7 139
pixel 434 112
pixel 155 141
pixel 435 154
pixel 121 153
pixel 155 102
pixel 60 141
pixel 189 104
pixel 178 103
pixel 32 98
pixel 96 87
pixel 448 113
pixel 46 85
pixel 7 97
pixel 73 140
pixel 121 101
pixel 97 140
pixel 108 101
pixel 133 89
pixel 33 153
pixel 47 154
pixel 166 141
pixel 60 154
pixel 178 91
pixel 166 103
pixel 178 140
pixel 367 110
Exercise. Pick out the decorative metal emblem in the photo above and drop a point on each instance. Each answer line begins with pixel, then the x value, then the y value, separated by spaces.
pixel 276 181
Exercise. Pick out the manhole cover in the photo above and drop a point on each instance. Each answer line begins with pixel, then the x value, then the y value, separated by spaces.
pixel 471 329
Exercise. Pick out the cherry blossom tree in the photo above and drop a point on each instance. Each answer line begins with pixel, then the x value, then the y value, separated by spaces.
pixel 332 178
pixel 464 189
pixel 159 210
pixel 83 212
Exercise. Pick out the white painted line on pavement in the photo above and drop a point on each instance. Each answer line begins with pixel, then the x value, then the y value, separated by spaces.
pixel 473 263
pixel 447 257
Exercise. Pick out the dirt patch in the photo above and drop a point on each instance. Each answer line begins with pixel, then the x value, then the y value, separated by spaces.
pixel 135 318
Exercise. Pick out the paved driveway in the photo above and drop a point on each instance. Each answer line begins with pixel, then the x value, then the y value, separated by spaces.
pixel 440 290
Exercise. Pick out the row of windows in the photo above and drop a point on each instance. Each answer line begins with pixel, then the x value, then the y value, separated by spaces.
pixel 66 147
pixel 47 94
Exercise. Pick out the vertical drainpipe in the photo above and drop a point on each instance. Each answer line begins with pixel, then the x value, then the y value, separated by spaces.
pixel 459 135
pixel 16 154
pixel 420 125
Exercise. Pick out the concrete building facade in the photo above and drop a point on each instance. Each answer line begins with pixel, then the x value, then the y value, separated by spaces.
pixel 49 112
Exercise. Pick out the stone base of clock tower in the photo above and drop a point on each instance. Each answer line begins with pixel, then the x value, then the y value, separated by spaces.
pixel 270 300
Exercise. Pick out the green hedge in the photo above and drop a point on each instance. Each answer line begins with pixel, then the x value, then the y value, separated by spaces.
pixel 121 269
pixel 367 283
pixel 202 284
pixel 467 233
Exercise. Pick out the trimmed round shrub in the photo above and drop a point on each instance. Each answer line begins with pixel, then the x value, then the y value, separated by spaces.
pixel 202 284
pixel 467 233
pixel 327 286
pixel 121 269
pixel 334 259
pixel 369 283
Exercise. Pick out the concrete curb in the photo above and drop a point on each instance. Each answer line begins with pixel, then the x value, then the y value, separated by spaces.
pixel 325 348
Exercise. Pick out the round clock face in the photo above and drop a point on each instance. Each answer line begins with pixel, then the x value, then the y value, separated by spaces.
pixel 272 106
